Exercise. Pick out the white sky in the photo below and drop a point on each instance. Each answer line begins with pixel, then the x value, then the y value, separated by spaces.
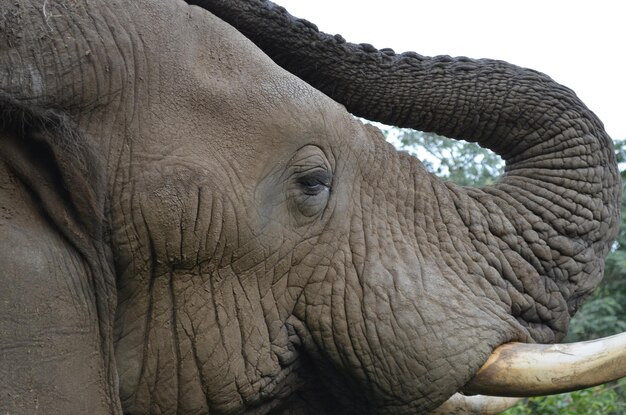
pixel 581 44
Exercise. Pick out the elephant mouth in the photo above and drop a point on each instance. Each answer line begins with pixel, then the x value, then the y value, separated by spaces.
pixel 516 370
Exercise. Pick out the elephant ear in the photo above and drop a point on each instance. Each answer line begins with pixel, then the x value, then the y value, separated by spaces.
pixel 55 161
pixel 58 295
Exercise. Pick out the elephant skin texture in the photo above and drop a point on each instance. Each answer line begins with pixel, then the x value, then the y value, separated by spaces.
pixel 188 227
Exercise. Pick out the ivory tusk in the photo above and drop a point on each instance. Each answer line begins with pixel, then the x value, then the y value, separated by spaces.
pixel 520 369
pixel 474 405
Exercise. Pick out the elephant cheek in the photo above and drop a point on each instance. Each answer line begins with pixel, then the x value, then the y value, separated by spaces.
pixel 397 331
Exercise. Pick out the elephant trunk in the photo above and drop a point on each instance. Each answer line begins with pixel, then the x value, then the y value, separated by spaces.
pixel 557 206
pixel 547 225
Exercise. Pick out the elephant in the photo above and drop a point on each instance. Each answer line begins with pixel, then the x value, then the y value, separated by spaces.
pixel 194 222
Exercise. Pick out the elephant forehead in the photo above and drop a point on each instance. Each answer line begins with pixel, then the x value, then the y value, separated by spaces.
pixel 208 86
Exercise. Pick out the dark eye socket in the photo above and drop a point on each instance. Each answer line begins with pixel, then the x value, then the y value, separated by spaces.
pixel 314 183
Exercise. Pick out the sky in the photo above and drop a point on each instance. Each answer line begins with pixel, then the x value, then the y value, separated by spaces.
pixel 580 44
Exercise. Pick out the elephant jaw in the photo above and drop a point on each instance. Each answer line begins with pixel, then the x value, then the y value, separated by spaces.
pixel 523 370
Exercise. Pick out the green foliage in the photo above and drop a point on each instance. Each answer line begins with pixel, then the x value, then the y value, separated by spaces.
pixel 599 317
pixel 461 162
pixel 603 314
pixel 601 400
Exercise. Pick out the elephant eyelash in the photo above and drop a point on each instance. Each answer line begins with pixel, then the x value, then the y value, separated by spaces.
pixel 315 183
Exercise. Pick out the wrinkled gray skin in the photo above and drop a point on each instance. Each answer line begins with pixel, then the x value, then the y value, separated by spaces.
pixel 188 228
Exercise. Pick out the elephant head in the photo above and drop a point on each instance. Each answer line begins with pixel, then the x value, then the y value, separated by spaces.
pixel 193 229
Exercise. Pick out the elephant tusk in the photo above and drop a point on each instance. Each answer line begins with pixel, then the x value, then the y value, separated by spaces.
pixel 520 369
pixel 474 405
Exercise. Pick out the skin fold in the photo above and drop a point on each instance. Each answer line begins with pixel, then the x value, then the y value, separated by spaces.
pixel 190 228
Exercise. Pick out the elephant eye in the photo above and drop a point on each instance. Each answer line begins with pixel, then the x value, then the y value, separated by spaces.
pixel 308 183
pixel 312 191
pixel 315 183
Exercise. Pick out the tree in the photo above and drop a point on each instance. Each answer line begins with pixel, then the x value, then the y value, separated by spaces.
pixel 603 314
pixel 461 162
